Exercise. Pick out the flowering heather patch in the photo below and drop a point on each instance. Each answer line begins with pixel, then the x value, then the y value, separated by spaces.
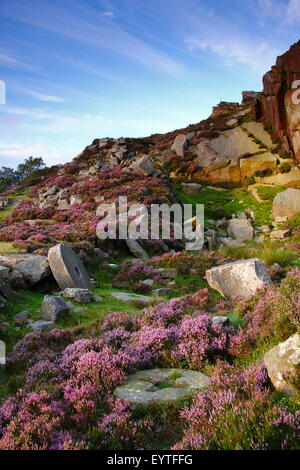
pixel 272 313
pixel 238 412
pixel 133 272
pixel 184 262
pixel 68 383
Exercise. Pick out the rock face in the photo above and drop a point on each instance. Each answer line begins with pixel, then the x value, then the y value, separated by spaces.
pixel 67 268
pixel 161 385
pixel 242 278
pixel 283 366
pixel 264 161
pixel 53 308
pixel 240 229
pixel 278 108
pixel 286 204
pixel 34 269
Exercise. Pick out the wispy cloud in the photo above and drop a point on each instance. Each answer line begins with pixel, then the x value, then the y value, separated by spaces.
pixel 8 60
pixel 41 96
pixel 109 14
pixel 85 25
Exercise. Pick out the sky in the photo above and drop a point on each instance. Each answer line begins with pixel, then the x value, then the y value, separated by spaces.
pixel 76 70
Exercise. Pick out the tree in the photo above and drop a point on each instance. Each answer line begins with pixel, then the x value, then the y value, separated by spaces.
pixel 8 177
pixel 29 166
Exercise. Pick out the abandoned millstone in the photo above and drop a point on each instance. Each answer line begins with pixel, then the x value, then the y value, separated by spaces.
pixel 128 297
pixel 240 229
pixel 67 268
pixel 136 249
pixel 84 296
pixel 53 308
pixel 161 385
pixel 283 366
pixel 242 278
pixel 34 269
pixel 41 325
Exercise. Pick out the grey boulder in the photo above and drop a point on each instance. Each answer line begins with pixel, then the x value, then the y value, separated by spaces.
pixel 239 279
pixel 53 308
pixel 34 269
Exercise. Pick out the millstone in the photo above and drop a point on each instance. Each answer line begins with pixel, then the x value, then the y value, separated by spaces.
pixel 160 385
pixel 67 268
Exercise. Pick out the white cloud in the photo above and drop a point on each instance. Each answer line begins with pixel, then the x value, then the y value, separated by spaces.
pixel 7 60
pixel 109 14
pixel 41 96
pixel 11 154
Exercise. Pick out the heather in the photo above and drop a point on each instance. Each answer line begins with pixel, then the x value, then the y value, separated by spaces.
pixel 68 378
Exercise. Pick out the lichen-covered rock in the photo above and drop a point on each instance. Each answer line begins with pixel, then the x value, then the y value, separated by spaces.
pixel 129 297
pixel 34 269
pixel 283 366
pixel 180 144
pixel 143 165
pixel 161 385
pixel 240 229
pixel 53 308
pixel 242 278
pixel 263 161
pixel 84 296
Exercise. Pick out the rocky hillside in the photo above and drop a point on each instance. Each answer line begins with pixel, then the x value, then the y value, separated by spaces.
pixel 137 344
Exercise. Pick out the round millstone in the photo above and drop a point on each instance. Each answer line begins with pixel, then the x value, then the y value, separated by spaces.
pixel 67 268
pixel 161 385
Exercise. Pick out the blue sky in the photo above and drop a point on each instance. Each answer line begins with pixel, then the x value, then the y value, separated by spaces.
pixel 76 70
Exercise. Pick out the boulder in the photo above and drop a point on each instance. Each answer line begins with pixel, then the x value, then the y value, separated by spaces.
pixel 191 188
pixel 136 249
pixel 84 296
pixel 21 318
pixel 161 385
pixel 240 229
pixel 221 321
pixel 67 268
pixel 75 200
pixel 242 278
pixel 231 243
pixel 41 325
pixel 180 144
pixel 63 205
pixel 34 269
pixel 161 292
pixel 5 290
pixel 4 272
pixel 283 366
pixel 53 308
pixel 280 234
pixel 128 297
pixel 143 165
pixel 286 204
pixel 168 273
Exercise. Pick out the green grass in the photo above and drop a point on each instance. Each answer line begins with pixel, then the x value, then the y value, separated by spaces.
pixel 7 248
pixel 14 197
pixel 220 204
pixel 268 253
pixel 268 193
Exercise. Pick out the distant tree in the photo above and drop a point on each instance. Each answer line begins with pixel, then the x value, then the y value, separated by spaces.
pixel 30 166
pixel 8 177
